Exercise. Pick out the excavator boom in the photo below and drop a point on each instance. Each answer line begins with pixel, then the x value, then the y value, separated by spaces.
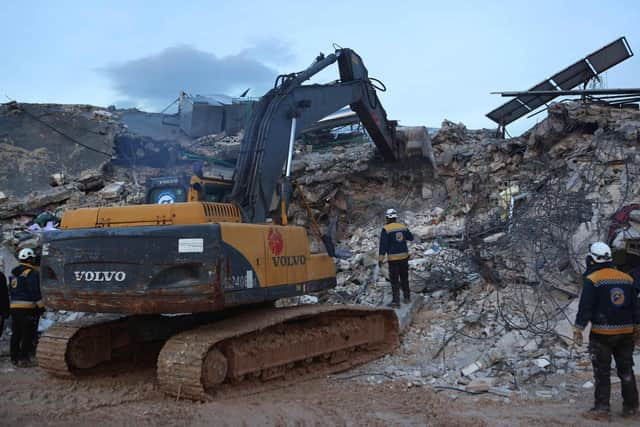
pixel 290 107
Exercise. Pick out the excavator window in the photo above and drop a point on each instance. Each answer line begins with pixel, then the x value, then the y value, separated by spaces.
pixel 163 195
pixel 215 193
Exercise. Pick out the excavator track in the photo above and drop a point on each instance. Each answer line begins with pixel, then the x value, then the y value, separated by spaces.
pixel 257 350
pixel 67 348
pixel 88 346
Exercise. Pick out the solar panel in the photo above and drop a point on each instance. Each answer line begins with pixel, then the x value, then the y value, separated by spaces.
pixel 610 55
pixel 576 74
pixel 572 76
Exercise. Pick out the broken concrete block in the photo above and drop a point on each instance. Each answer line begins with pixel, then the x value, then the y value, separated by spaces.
pixel 308 299
pixel 542 363
pixel 90 180
pixel 635 215
pixel 480 385
pixel 427 191
pixel 57 179
pixel 112 191
pixel 531 346
pixel 3 197
pixel 493 237
pixel 35 201
pixel 101 115
pixel 436 212
pixel 427 232
pixel 488 359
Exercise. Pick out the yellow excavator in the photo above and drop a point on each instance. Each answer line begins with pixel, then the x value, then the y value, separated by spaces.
pixel 192 284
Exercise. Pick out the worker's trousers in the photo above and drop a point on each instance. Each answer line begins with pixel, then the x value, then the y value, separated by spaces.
pixel 24 330
pixel 399 277
pixel 602 347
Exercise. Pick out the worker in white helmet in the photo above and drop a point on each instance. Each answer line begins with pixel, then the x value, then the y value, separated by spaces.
pixel 26 308
pixel 610 303
pixel 393 245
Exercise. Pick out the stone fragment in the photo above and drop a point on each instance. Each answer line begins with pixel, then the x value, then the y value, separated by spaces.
pixel 488 359
pixel 57 179
pixel 480 384
pixel 542 363
pixel 427 191
pixel 90 180
pixel 112 191
pixel 493 237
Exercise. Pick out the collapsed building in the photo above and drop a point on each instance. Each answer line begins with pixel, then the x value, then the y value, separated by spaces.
pixel 502 224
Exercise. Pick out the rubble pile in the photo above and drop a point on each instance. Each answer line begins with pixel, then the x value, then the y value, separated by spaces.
pixel 222 147
pixel 501 229
pixel 541 199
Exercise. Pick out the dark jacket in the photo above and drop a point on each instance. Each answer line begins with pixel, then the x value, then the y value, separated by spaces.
pixel 25 287
pixel 4 296
pixel 393 242
pixel 608 301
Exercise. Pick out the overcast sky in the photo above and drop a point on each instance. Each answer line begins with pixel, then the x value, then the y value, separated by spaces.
pixel 438 59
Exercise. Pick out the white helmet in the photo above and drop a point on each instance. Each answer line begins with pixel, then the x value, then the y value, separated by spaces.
pixel 600 252
pixel 391 214
pixel 26 253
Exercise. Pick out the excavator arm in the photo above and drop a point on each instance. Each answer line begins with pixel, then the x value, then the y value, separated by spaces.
pixel 290 107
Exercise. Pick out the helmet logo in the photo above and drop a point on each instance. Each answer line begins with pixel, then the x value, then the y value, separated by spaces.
pixel 617 297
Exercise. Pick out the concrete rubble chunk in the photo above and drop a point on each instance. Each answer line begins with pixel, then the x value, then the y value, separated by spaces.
pixel 112 191
pixel 57 179
pixel 485 361
pixel 35 202
pixel 480 384
pixel 542 363
pixel 426 232
pixel 90 180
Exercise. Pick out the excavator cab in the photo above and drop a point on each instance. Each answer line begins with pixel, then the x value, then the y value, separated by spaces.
pixel 176 189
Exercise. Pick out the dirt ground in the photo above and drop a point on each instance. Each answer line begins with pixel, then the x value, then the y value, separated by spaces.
pixel 30 397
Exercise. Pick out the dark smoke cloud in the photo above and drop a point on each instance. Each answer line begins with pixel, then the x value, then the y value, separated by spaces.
pixel 156 80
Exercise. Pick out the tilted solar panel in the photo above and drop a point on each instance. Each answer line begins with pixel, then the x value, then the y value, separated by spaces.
pixel 578 73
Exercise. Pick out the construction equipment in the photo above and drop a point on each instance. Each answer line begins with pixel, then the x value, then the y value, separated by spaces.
pixel 224 263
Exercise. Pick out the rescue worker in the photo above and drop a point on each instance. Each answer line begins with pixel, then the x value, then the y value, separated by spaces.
pixel 26 307
pixel 609 302
pixel 4 299
pixel 393 244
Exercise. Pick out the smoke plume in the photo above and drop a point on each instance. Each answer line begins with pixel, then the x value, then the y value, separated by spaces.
pixel 153 81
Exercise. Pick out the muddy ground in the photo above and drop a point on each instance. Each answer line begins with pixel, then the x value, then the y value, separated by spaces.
pixel 31 397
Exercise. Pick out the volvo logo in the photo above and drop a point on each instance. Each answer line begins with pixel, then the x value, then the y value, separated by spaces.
pixel 284 261
pixel 100 276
